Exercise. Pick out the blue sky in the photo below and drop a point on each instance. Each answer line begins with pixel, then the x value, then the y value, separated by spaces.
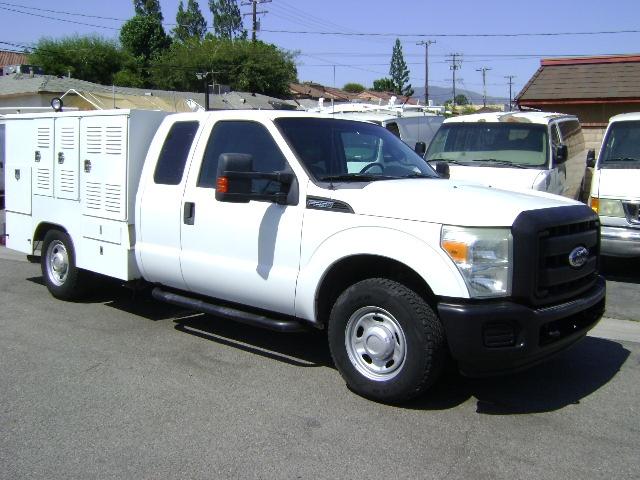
pixel 364 58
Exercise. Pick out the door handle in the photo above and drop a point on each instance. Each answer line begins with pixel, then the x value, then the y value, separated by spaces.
pixel 189 213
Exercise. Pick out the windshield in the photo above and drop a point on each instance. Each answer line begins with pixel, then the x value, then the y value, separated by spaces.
pixel 346 150
pixel 492 144
pixel 622 146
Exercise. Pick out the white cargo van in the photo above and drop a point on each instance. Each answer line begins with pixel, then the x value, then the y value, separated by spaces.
pixel 615 187
pixel 514 151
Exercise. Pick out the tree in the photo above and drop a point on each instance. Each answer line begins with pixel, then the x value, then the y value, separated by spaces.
pixel 399 72
pixel 353 88
pixel 191 23
pixel 383 85
pixel 462 100
pixel 143 36
pixel 227 21
pixel 89 58
pixel 244 65
pixel 148 8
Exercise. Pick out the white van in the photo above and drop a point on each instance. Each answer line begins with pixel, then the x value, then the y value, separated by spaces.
pixel 615 187
pixel 513 151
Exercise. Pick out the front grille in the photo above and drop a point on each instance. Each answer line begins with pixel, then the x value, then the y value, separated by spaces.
pixel 557 279
pixel 543 242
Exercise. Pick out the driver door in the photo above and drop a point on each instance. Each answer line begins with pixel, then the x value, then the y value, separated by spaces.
pixel 247 253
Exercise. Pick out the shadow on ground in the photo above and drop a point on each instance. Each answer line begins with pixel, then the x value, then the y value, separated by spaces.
pixel 564 380
pixel 620 269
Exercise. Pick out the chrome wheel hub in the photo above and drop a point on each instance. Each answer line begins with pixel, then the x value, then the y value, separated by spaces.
pixel 375 343
pixel 57 262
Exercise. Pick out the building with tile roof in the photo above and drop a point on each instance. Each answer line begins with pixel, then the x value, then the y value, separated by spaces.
pixel 593 88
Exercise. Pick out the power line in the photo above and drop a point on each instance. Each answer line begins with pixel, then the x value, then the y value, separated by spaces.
pixel 456 35
pixel 254 15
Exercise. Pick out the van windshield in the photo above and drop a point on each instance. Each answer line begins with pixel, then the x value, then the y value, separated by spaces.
pixel 490 144
pixel 622 146
pixel 346 150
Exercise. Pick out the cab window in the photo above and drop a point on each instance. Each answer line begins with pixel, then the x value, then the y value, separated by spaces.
pixel 239 136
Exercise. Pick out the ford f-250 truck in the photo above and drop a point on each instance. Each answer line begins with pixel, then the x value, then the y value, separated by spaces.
pixel 287 220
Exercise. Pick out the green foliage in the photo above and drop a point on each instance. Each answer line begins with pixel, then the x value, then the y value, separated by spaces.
pixel 227 21
pixel 353 88
pixel 462 100
pixel 399 72
pixel 90 58
pixel 148 8
pixel 143 37
pixel 244 65
pixel 191 23
pixel 384 85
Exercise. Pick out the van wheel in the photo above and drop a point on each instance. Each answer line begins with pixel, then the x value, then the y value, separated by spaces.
pixel 58 262
pixel 386 341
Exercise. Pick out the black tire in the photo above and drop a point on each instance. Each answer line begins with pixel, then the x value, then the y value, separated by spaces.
pixel 386 312
pixel 58 263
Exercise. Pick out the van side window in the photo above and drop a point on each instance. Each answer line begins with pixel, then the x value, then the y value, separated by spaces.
pixel 240 136
pixel 555 136
pixel 173 156
pixel 572 136
pixel 393 128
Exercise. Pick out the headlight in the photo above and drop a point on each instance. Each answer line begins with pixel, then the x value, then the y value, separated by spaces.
pixel 483 257
pixel 607 207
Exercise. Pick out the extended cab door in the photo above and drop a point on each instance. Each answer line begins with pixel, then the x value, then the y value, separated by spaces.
pixel 247 253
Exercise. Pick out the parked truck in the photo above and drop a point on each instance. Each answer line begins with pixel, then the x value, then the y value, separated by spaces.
pixel 261 217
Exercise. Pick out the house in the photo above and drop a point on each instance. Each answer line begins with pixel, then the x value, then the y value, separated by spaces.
pixel 593 88
pixel 11 60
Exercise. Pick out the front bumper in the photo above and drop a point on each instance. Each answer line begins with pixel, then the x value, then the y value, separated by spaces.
pixel 619 241
pixel 488 338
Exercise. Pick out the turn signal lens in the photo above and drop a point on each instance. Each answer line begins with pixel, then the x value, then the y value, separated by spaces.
pixel 458 251
pixel 594 203
pixel 222 184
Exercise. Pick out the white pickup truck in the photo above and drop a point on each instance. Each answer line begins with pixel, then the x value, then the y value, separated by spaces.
pixel 289 220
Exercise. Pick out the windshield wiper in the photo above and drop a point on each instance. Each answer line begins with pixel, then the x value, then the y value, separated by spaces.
pixel 446 160
pixel 419 175
pixel 355 177
pixel 495 161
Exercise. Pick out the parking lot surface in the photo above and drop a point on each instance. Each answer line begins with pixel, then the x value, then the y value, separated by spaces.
pixel 124 387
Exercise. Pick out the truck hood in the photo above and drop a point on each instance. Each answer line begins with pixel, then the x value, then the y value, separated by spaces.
pixel 619 183
pixel 443 201
pixel 504 178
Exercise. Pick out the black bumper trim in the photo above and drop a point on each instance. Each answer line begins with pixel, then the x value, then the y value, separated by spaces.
pixel 538 332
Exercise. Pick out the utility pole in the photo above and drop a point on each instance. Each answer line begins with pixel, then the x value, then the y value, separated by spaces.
pixel 426 69
pixel 254 14
pixel 510 78
pixel 484 71
pixel 205 76
pixel 455 65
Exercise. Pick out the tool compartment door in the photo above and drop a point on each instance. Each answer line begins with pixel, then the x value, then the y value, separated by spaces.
pixel 67 158
pixel 19 157
pixel 103 166
pixel 42 156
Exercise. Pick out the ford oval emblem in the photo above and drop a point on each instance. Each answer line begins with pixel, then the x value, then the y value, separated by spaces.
pixel 578 257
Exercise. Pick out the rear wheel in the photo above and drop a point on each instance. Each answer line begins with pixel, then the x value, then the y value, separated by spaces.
pixel 385 340
pixel 61 276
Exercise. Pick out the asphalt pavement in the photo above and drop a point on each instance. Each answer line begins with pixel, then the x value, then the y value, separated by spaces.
pixel 124 387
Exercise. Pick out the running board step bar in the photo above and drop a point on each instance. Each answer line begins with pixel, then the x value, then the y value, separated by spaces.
pixel 230 313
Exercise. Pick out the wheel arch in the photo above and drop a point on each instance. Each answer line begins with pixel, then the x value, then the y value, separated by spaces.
pixel 354 268
pixel 41 231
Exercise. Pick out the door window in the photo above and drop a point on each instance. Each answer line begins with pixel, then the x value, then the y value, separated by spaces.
pixel 239 136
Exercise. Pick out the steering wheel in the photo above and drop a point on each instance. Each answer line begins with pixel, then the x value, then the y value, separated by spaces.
pixel 368 167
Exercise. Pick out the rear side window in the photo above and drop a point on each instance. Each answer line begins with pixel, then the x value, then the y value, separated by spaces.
pixel 173 156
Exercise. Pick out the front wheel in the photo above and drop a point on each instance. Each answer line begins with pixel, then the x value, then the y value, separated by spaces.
pixel 385 340
pixel 61 276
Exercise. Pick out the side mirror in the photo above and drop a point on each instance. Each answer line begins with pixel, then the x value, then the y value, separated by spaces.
pixel 591 158
pixel 231 187
pixel 442 169
pixel 561 153
pixel 235 178
pixel 420 148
